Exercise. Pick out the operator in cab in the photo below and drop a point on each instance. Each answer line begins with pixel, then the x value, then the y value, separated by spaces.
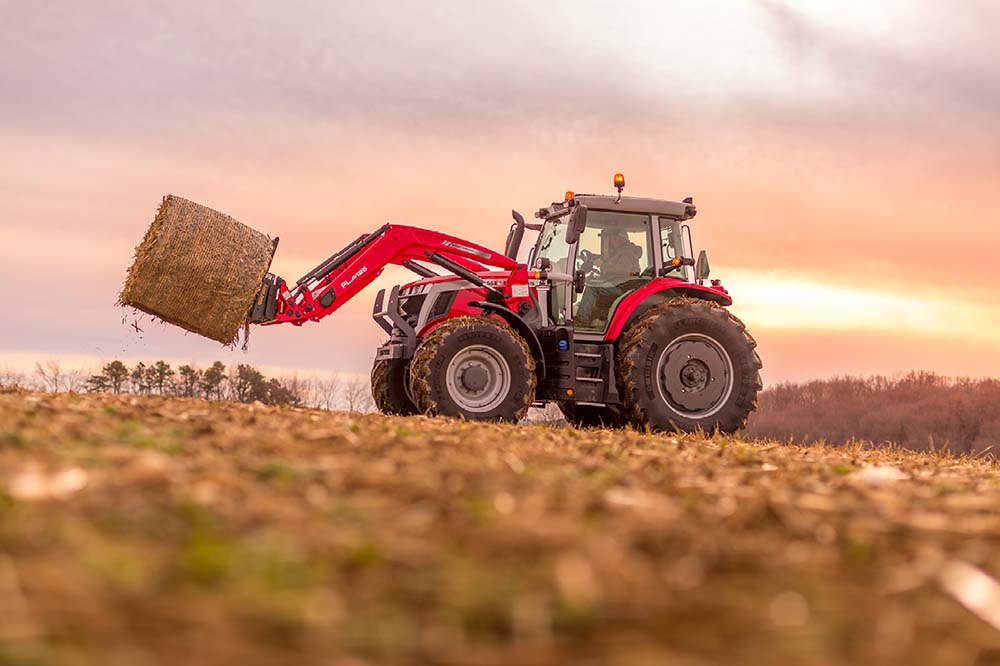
pixel 618 264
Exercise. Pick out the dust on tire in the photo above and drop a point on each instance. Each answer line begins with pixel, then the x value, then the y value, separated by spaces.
pixel 389 388
pixel 639 349
pixel 427 376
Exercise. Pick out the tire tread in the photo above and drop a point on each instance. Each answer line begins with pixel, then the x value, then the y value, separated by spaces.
pixel 638 333
pixel 420 380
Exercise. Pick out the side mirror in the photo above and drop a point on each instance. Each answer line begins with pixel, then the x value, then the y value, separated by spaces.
pixel 513 245
pixel 702 268
pixel 577 223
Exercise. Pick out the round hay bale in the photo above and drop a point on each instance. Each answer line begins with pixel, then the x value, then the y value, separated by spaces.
pixel 199 269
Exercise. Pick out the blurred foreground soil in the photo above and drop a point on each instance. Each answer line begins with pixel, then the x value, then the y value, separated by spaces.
pixel 176 531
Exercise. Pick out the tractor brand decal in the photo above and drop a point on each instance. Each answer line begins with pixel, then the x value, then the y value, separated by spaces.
pixel 346 283
pixel 465 248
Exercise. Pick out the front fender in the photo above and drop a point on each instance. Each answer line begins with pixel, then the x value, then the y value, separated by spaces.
pixel 518 323
pixel 656 292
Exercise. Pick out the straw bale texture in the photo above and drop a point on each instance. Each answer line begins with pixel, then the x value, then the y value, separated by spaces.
pixel 198 269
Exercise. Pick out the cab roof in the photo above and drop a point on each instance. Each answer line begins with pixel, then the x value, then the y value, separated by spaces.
pixel 681 210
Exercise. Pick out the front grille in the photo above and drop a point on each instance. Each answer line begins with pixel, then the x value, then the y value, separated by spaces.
pixel 410 306
pixel 442 305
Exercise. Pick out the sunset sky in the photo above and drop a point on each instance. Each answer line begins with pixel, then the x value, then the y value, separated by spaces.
pixel 845 157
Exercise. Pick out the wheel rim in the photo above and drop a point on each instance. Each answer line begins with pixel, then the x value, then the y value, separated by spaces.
pixel 695 375
pixel 478 379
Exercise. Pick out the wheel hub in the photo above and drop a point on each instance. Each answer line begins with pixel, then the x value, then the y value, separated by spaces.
pixel 695 375
pixel 474 378
pixel 478 379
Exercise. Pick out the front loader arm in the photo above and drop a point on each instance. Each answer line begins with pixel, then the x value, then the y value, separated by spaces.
pixel 337 280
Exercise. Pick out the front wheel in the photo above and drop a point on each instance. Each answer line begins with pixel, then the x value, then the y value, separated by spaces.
pixel 688 364
pixel 474 368
pixel 389 387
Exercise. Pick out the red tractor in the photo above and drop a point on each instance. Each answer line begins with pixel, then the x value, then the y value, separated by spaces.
pixel 605 319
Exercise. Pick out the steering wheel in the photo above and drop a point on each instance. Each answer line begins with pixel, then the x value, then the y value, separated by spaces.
pixel 588 263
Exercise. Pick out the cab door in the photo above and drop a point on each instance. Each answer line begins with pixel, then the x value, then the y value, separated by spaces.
pixel 617 254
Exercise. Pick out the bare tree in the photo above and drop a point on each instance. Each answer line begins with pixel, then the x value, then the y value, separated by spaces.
pixel 74 380
pixel 306 390
pixel 12 378
pixel 50 375
pixel 327 391
pixel 358 395
pixel 298 390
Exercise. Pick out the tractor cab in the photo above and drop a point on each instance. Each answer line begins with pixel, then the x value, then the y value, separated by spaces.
pixel 624 243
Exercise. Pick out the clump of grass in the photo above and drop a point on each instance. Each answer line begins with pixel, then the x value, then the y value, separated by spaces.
pixel 206 560
pixel 364 554
pixel 280 472
pixel 134 433
pixel 14 438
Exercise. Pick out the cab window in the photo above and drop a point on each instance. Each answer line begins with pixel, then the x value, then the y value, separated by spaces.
pixel 552 246
pixel 615 254
pixel 672 242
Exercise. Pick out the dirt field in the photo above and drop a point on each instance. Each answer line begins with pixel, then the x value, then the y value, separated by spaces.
pixel 168 531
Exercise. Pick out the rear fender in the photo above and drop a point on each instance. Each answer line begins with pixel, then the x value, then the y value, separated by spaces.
pixel 655 292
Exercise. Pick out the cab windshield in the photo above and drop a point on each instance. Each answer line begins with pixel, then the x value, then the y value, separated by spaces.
pixel 552 245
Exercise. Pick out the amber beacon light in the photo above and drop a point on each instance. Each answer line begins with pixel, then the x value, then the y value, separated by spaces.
pixel 619 184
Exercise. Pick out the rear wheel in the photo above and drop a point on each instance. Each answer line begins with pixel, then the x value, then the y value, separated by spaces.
pixel 389 388
pixel 688 364
pixel 592 416
pixel 475 368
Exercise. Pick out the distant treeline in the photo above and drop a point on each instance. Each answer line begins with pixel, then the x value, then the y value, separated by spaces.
pixel 242 383
pixel 920 410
